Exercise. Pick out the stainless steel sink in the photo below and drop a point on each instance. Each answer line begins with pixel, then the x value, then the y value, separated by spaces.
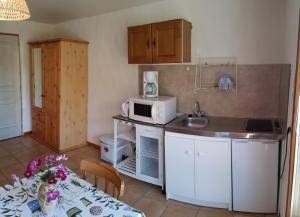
pixel 195 122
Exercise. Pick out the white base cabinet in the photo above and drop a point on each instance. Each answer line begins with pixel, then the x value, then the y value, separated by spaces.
pixel 198 169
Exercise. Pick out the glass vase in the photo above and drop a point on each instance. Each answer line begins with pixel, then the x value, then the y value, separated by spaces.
pixel 46 206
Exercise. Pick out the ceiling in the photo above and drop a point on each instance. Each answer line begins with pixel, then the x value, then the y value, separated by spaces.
pixel 57 11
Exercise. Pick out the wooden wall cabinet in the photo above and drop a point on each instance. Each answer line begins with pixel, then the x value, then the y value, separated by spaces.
pixel 59 73
pixel 163 42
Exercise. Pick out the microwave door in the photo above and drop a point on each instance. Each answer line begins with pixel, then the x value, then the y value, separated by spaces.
pixel 143 110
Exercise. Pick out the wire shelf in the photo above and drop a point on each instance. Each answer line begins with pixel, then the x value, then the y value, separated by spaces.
pixel 128 135
pixel 210 69
pixel 128 166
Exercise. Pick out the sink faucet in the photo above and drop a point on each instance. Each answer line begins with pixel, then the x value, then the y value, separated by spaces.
pixel 197 111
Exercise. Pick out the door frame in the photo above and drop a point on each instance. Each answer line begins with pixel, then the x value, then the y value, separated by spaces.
pixel 294 127
pixel 20 74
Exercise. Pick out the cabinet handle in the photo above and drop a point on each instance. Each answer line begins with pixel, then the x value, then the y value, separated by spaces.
pixel 187 152
pixel 148 44
pixel 154 43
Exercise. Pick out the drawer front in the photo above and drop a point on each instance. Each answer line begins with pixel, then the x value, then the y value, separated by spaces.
pixel 38 129
pixel 148 130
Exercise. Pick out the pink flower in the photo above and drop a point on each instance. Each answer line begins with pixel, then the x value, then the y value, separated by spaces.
pixel 49 160
pixel 51 180
pixel 28 174
pixel 61 174
pixel 61 167
pixel 61 157
pixel 33 166
pixel 52 195
pixel 14 177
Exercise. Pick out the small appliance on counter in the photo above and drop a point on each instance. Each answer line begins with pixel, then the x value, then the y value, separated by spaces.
pixel 150 84
pixel 125 108
pixel 160 110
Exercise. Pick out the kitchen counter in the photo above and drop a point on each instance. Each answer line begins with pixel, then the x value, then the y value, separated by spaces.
pixel 224 127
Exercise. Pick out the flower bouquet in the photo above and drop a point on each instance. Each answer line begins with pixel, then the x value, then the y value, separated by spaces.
pixel 49 175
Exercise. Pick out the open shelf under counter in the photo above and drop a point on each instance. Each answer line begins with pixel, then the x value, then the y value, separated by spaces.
pixel 128 166
pixel 128 135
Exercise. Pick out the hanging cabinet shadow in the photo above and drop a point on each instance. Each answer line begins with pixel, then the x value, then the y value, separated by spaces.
pixel 59 78
pixel 163 42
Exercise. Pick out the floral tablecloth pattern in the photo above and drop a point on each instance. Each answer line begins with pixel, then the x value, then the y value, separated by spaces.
pixel 78 198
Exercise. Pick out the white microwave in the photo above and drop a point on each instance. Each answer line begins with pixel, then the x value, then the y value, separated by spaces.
pixel 160 110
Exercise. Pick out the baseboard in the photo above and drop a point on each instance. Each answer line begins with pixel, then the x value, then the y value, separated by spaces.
pixel 28 133
pixel 73 148
pixel 93 145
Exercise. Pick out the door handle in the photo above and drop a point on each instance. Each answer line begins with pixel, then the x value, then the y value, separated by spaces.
pixel 154 43
pixel 187 152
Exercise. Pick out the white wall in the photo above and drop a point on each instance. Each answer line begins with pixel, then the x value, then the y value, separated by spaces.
pixel 290 56
pixel 28 31
pixel 250 30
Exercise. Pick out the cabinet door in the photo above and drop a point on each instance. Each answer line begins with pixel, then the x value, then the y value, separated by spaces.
pixel 139 46
pixel 167 42
pixel 38 115
pixel 50 62
pixel 179 154
pixel 213 172
pixel 149 151
pixel 255 175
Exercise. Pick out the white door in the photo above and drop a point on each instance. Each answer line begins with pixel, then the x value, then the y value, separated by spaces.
pixel 10 91
pixel 213 172
pixel 180 177
pixel 255 175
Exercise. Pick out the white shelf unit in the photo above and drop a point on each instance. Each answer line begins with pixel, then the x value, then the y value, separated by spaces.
pixel 146 163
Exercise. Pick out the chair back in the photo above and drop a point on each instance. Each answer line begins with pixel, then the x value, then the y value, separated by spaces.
pixel 105 171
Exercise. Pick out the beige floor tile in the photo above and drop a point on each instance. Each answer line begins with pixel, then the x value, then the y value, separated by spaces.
pixel 131 197
pixel 17 169
pixel 8 161
pixel 179 211
pixel 182 204
pixel 29 142
pixel 155 193
pixel 150 207
pixel 3 179
pixel 3 152
pixel 26 156
pixel 241 214
pixel 16 147
pixel 214 213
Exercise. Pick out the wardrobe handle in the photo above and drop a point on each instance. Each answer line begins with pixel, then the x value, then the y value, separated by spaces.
pixel 154 43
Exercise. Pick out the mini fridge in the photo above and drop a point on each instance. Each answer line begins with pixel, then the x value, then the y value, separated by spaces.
pixel 255 175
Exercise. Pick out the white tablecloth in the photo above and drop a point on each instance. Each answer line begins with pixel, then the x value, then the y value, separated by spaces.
pixel 77 198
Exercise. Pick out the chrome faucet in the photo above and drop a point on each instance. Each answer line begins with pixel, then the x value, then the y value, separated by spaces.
pixel 197 111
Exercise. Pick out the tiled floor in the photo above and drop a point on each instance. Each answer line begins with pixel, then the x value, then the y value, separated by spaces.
pixel 15 153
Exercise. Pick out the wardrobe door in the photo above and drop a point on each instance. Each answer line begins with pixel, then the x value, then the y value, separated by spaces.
pixel 50 62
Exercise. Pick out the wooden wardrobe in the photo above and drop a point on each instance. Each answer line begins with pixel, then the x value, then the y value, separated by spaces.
pixel 59 78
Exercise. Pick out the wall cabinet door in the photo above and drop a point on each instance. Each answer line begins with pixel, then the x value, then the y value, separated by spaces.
pixel 167 41
pixel 213 171
pixel 139 44
pixel 179 154
pixel 164 42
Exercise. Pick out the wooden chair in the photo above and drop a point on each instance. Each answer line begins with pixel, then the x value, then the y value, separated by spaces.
pixel 110 175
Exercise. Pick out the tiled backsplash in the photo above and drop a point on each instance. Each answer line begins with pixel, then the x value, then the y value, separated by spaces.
pixel 262 90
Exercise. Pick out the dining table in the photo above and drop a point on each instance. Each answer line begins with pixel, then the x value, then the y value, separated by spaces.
pixel 78 198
